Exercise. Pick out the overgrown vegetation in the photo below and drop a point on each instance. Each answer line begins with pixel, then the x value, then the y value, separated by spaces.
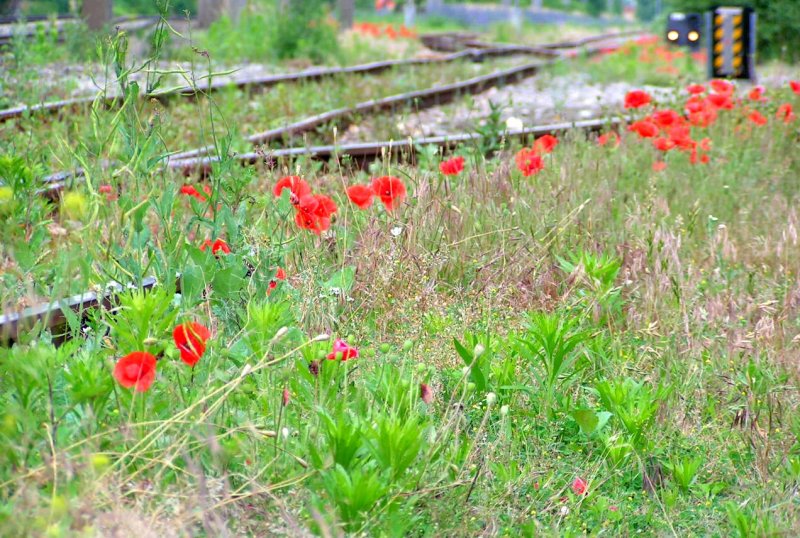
pixel 582 335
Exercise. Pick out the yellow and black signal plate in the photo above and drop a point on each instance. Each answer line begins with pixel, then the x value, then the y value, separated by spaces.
pixel 731 32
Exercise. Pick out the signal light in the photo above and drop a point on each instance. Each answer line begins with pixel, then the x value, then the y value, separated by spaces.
pixel 693 36
pixel 673 35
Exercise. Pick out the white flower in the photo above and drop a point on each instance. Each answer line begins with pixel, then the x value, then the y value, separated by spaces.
pixel 491 398
pixel 513 124
pixel 396 231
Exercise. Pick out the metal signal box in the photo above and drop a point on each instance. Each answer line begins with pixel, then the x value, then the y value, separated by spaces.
pixel 731 33
pixel 684 29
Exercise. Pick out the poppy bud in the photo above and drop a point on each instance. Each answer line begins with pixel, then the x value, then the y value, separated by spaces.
pixel 491 398
pixel 407 345
pixel 478 351
pixel 421 367
pixel 313 368
pixel 385 348
pixel 471 386
pixel 425 393
pixel 286 396
pixel 504 410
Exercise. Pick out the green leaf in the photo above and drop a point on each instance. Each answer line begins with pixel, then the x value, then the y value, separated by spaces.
pixel 475 372
pixel 342 280
pixel 192 282
pixel 586 419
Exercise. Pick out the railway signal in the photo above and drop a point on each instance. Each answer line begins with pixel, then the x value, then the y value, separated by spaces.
pixel 684 29
pixel 731 42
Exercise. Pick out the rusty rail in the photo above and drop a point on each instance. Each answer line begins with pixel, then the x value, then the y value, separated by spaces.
pixel 476 51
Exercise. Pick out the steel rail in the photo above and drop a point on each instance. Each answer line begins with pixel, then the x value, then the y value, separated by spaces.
pixel 477 51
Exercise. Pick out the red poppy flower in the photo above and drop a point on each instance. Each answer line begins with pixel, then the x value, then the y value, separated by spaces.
pixel 637 99
pixel 681 136
pixel 725 87
pixel 452 167
pixel 325 206
pixel 545 144
pixel 696 89
pixel 659 166
pixel 757 94
pixel 217 246
pixel 795 86
pixel 360 195
pixel 705 144
pixel 391 191
pixel 191 338
pixel 280 274
pixel 663 144
pixel 137 369
pixel 529 162
pixel 757 118
pixel 307 205
pixel 189 190
pixel 296 186
pixel 666 118
pixel 342 351
pixel 105 189
pixel 720 100
pixel 425 393
pixel 312 222
pixel 785 113
pixel 609 138
pixel 644 128
pixel 579 486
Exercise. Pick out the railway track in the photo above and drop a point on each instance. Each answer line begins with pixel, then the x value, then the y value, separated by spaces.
pixel 11 30
pixel 57 182
pixel 478 51
pixel 52 316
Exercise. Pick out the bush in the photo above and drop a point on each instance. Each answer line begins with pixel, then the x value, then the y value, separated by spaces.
pixel 778 24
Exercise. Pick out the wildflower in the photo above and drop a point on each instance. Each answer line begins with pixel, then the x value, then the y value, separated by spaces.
pixel 666 118
pixel 696 89
pixel 491 398
pixel 137 369
pixel 360 195
pixel 724 87
pixel 342 351
pixel 504 410
pixel 637 99
pixel 663 144
pixel 425 393
pixel 757 94
pixel 325 206
pixel 659 166
pixel 297 187
pixel 312 222
pixel 579 486
pixel 280 274
pixel 189 190
pixel 217 246
pixel 785 113
pixel 529 162
pixel 644 128
pixel 545 144
pixel 108 190
pixel 757 118
pixel 609 138
pixel 795 86
pixel 190 339
pixel 391 191
pixel 720 100
pixel 452 167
